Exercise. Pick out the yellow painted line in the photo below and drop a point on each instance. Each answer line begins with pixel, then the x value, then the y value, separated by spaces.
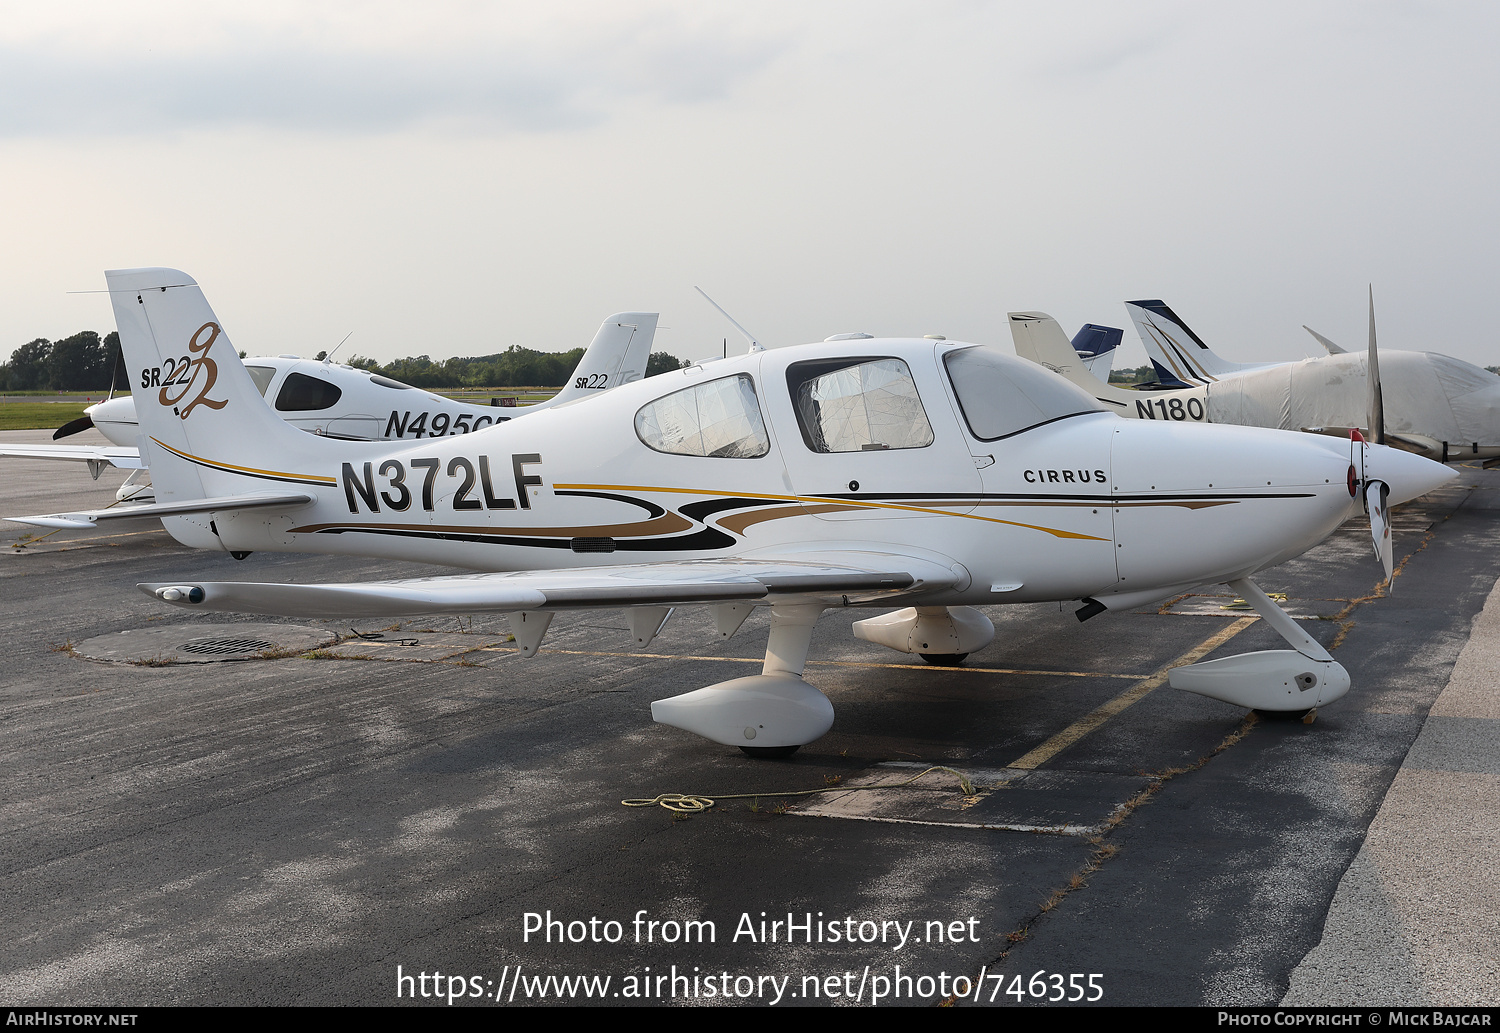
pixel 95 538
pixel 975 670
pixel 820 663
pixel 1078 729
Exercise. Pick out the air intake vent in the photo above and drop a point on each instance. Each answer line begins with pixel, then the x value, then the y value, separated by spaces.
pixel 592 545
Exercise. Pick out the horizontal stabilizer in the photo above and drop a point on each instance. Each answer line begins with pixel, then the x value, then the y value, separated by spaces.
pixel 222 504
pixel 1328 346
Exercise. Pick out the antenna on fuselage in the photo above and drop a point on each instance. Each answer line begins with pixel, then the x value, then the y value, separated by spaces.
pixel 755 345
pixel 329 357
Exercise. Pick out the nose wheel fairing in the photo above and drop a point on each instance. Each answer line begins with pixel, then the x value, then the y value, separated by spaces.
pixel 1283 680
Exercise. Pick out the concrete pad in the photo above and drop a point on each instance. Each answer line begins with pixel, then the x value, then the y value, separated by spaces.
pixel 203 643
pixel 1416 918
pixel 1072 803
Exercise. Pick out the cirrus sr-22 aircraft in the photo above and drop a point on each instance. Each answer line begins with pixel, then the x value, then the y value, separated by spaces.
pixel 342 401
pixel 925 474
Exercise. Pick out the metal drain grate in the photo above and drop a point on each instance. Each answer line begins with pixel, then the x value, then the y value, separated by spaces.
pixel 226 646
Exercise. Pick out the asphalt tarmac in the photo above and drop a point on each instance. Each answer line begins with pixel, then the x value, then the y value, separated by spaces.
pixel 335 827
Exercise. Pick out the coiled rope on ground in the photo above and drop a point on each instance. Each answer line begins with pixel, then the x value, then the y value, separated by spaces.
pixel 683 803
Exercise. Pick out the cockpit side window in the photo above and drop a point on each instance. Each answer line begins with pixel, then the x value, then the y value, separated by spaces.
pixel 262 375
pixel 1001 395
pixel 302 393
pixel 720 419
pixel 858 405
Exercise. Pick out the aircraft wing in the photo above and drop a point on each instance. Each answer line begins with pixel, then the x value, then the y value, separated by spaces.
pixel 96 456
pixel 832 577
pixel 1419 444
pixel 222 504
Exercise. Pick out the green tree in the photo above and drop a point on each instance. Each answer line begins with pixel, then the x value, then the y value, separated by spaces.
pixel 1140 375
pixel 78 363
pixel 27 369
pixel 662 362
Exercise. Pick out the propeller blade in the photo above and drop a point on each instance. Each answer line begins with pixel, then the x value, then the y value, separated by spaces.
pixel 1376 496
pixel 114 372
pixel 83 423
pixel 1377 400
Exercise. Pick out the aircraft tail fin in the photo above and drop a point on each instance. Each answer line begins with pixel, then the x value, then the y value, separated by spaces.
pixel 617 355
pixel 1039 338
pixel 1166 378
pixel 205 430
pixel 1171 342
pixel 1096 346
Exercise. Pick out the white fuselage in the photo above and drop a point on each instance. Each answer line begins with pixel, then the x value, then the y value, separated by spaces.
pixel 1085 505
pixel 328 399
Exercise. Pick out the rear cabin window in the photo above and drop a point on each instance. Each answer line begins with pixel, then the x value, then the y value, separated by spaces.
pixel 262 375
pixel 1001 395
pixel 302 393
pixel 858 405
pixel 720 419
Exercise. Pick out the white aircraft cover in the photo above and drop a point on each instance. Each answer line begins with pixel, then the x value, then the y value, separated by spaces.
pixel 1425 393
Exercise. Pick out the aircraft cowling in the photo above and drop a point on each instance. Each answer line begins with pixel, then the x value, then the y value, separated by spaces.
pixel 1186 514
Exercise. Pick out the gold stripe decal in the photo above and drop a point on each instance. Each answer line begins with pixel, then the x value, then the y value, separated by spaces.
pixel 302 478
pixel 813 504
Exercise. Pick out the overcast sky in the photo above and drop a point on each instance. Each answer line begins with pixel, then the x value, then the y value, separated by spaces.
pixel 454 178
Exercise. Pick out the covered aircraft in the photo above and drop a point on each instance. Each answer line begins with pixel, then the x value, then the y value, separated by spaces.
pixel 868 472
pixel 1435 406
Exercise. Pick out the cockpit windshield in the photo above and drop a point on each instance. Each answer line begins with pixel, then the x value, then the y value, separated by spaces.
pixel 1001 395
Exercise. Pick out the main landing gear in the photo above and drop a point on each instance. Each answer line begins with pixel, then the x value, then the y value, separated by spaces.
pixel 770 714
pixel 773 713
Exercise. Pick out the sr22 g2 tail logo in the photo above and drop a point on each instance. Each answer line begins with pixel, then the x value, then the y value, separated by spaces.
pixel 180 377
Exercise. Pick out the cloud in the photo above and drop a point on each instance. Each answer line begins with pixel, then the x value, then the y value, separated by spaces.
pixel 496 79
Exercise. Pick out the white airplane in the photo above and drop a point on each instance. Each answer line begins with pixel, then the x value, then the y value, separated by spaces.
pixel 1437 406
pixel 340 401
pixel 866 472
